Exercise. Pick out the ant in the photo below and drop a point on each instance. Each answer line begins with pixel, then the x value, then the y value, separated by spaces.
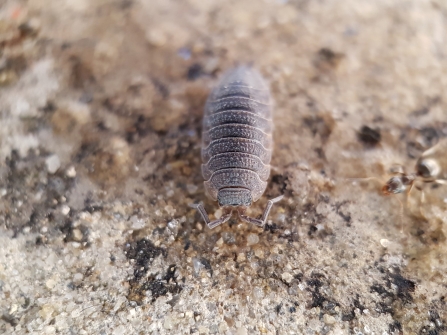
pixel 430 168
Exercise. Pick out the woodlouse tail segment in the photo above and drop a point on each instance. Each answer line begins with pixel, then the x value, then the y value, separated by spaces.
pixel 211 224
pixel 260 222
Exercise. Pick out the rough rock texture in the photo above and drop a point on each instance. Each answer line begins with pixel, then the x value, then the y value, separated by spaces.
pixel 100 119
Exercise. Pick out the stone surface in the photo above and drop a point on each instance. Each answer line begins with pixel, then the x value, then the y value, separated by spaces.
pixel 103 241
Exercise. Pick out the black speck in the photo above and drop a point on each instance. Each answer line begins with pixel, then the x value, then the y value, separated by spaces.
pixel 299 277
pixel 369 136
pixel 90 207
pixel 272 228
pixel 384 308
pixel 436 326
pixel 404 287
pixel 318 299
pixel 206 263
pixel 346 217
pixel 380 289
pixel 143 252
pixel 281 181
pixel 278 309
pixel 349 316
pixel 68 229
pixel 50 107
pixel 292 309
pixel 194 71
pixel 318 126
pixel 396 326
pixel 170 273
pixel 27 30
pixel 162 88
pixel 312 230
pixel 8 318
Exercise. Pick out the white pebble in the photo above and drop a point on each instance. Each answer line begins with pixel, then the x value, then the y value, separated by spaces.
pixel 77 277
pixel 53 163
pixel 385 243
pixel 50 283
pixel 65 210
pixel 218 213
pixel 77 235
pixel 137 223
pixel 71 172
pixel 287 277
pixel 328 319
pixel 168 324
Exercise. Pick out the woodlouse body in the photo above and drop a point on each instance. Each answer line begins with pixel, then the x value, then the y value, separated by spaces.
pixel 237 144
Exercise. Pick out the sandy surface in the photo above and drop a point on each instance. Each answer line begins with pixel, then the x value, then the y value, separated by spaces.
pixel 100 120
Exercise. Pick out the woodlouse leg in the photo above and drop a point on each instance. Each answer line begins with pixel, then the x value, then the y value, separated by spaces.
pixel 204 214
pixel 261 222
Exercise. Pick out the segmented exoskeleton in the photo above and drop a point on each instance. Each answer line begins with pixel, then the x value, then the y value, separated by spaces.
pixel 237 144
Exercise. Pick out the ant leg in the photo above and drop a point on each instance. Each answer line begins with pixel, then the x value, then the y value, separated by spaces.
pixel 440 181
pixel 364 179
pixel 261 222
pixel 204 214
pixel 401 215
pixel 422 205
pixel 422 200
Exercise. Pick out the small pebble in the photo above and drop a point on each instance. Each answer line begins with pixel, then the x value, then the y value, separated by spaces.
pixel 168 324
pixel 287 277
pixel 71 172
pixel 156 38
pixel 49 330
pixel 77 235
pixel 385 243
pixel 65 210
pixel 252 239
pixel 219 242
pixel 53 163
pixel 259 253
pixel 50 283
pixel 137 223
pixel 241 257
pixel 328 319
pixel 191 188
pixel 77 277
pixel 218 213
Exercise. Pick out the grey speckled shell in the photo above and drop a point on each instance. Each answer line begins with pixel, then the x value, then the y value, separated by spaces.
pixel 237 134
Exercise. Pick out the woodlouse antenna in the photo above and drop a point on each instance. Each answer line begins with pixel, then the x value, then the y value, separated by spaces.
pixel 260 222
pixel 211 224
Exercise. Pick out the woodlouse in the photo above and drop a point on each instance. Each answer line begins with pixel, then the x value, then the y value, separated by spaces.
pixel 237 144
